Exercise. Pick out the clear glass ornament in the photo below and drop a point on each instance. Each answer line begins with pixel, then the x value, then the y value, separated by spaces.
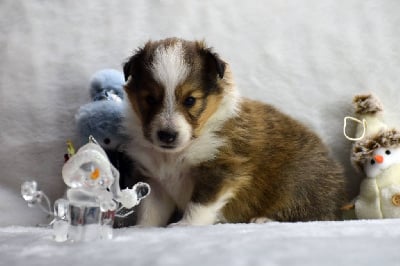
pixel 93 198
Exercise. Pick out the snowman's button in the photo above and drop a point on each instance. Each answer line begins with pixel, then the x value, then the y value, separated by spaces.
pixel 396 200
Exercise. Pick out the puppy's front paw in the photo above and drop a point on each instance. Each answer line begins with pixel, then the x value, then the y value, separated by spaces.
pixel 261 220
pixel 178 224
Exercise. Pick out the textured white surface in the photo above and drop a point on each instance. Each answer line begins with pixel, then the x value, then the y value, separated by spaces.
pixel 328 243
pixel 307 57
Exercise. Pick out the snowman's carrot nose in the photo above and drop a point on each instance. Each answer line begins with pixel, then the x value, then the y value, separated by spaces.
pixel 378 158
pixel 95 174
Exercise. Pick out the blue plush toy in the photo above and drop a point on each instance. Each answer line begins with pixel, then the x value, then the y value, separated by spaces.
pixel 107 84
pixel 102 118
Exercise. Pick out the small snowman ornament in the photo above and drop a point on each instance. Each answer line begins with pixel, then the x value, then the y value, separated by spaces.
pixel 376 153
pixel 93 197
pixel 379 159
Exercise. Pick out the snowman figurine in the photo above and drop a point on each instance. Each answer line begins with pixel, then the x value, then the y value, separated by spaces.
pixel 93 197
pixel 379 158
pixel 376 154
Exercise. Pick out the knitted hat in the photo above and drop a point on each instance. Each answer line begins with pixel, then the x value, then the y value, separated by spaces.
pixel 363 149
pixel 369 109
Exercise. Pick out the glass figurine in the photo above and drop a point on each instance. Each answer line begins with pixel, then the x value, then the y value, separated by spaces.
pixel 93 198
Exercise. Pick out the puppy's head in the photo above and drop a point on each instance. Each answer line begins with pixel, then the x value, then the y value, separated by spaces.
pixel 174 87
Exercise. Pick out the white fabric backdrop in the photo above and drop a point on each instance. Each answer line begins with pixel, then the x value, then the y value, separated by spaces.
pixel 308 58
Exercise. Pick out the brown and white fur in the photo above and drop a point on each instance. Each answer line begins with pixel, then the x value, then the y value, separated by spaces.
pixel 214 155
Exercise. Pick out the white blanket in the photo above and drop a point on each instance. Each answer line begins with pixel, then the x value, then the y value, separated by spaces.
pixel 272 244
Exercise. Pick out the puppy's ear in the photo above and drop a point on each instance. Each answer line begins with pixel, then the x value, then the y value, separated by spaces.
pixel 127 68
pixel 214 65
pixel 217 62
pixel 131 65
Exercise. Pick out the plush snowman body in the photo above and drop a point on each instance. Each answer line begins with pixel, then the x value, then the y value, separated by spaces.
pixel 380 191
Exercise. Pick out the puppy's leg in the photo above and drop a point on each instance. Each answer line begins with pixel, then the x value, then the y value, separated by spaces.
pixel 261 220
pixel 156 209
pixel 205 214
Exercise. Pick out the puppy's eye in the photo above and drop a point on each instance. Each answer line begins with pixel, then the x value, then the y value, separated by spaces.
pixel 107 141
pixel 372 161
pixel 387 152
pixel 151 100
pixel 189 101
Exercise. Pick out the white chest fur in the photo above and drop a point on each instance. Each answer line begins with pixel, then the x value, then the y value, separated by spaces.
pixel 171 171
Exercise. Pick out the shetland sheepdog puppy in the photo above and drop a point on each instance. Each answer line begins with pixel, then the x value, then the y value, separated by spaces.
pixel 214 155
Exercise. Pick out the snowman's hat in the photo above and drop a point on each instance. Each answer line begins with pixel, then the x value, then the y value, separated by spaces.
pixel 371 132
pixel 363 149
pixel 369 110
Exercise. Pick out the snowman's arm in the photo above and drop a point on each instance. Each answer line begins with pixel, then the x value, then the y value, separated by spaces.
pixel 368 190
pixel 129 198
pixel 349 206
pixel 115 188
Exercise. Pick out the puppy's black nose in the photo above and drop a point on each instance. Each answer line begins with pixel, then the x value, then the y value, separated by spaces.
pixel 167 137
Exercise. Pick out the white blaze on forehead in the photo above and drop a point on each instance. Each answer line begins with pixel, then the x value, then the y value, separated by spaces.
pixel 170 70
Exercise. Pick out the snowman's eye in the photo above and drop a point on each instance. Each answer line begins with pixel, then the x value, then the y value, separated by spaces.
pixel 372 161
pixel 387 152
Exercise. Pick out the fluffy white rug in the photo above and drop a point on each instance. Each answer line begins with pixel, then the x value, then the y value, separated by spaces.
pixel 329 243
